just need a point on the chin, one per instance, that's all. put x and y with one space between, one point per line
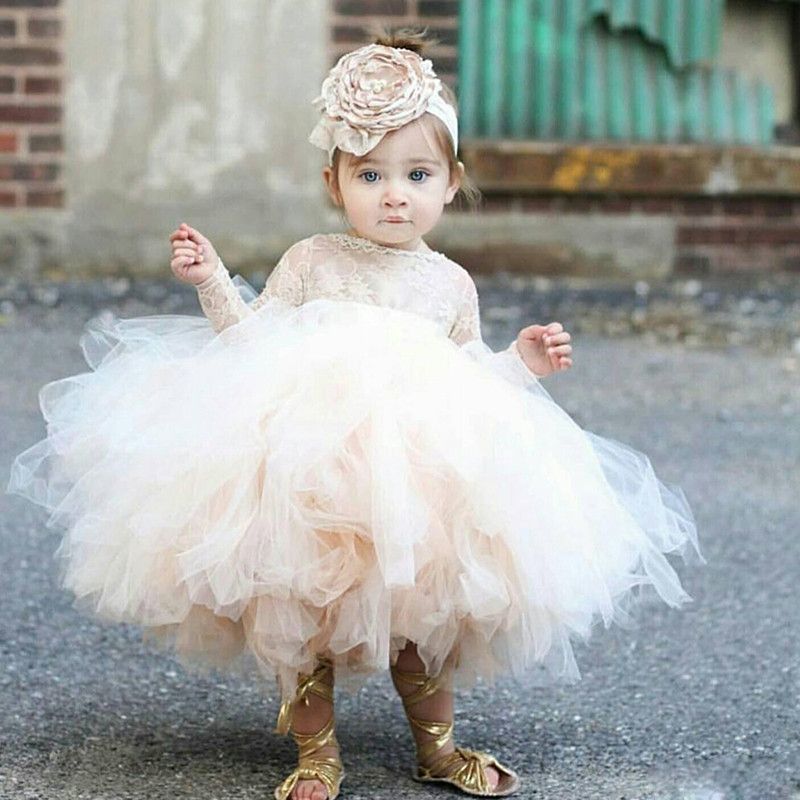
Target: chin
395 233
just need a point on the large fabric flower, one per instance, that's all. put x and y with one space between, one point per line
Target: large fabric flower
371 91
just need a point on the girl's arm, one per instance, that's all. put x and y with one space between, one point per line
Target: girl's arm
224 306
467 329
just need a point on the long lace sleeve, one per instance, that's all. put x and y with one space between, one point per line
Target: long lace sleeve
466 332
224 306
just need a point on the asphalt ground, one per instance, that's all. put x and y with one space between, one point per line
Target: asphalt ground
700 703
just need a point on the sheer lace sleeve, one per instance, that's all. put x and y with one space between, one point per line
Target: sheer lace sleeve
466 331
224 306
467 325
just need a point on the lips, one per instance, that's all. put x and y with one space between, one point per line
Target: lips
395 219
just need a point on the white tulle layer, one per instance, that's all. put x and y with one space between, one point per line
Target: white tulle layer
341 478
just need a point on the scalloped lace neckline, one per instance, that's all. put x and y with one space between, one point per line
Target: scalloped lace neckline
368 246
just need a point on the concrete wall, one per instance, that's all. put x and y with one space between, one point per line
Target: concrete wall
756 39
191 110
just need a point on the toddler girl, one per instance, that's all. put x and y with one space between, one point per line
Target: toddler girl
338 475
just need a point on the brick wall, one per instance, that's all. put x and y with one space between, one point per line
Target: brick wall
31 104
350 20
736 233
712 235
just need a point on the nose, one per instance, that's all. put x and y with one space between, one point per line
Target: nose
394 196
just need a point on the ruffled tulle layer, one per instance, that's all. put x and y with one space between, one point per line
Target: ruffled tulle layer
341 478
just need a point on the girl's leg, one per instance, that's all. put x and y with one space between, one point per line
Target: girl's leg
310 713
437 706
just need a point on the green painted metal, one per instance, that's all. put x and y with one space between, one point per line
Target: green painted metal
518 74
492 69
591 92
719 99
641 96
688 30
544 40
628 70
468 64
568 110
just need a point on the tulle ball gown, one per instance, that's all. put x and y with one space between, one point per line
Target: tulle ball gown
339 465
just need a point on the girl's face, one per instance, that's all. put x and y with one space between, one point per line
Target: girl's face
397 193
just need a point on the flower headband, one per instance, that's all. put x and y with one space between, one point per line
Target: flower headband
374 90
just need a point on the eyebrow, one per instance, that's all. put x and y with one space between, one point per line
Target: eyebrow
408 161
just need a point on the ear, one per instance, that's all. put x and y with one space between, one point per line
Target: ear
454 184
327 176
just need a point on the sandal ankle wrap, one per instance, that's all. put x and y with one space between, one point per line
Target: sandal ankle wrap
462 768
326 769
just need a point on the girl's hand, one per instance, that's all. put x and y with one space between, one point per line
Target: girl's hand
545 348
194 258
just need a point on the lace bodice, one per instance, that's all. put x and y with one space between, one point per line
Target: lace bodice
340 266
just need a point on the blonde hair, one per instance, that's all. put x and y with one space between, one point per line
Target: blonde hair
415 40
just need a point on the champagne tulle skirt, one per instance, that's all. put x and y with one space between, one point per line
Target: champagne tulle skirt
341 478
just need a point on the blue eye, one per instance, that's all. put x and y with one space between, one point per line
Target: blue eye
371 172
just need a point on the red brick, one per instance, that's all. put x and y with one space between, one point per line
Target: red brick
44 28
349 33
30 3
446 37
438 8
744 260
382 7
543 205
8 27
614 205
577 204
8 142
780 207
498 202
7 84
706 235
27 56
696 206
775 235
444 64
29 172
741 206
8 199
36 85
46 143
33 114
656 205
52 198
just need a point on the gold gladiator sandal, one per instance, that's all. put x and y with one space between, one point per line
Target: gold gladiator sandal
326 769
462 768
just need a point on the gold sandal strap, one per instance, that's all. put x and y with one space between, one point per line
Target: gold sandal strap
465 768
310 743
442 731
426 684
326 770
469 772
305 684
